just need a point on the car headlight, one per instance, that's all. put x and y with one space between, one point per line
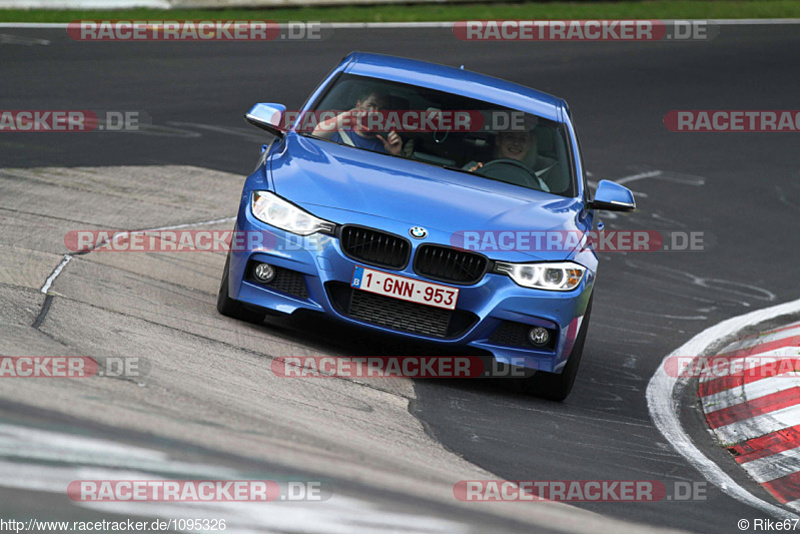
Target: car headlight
273 210
563 276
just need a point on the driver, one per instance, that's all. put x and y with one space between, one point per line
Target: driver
517 145
510 145
339 130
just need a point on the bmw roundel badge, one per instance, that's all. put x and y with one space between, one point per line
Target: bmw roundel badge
418 232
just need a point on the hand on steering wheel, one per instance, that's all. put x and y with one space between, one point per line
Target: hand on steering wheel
534 182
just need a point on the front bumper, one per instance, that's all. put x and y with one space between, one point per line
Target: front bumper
493 314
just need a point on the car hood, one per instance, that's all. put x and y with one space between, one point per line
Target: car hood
319 174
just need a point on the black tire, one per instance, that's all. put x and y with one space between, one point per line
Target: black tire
557 387
231 307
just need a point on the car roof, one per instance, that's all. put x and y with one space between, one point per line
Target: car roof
453 80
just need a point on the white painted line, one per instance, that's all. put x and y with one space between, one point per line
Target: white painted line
32 445
774 466
50 279
664 394
394 25
35 25
86 4
759 425
333 516
415 25
332 25
387 25
640 176
89 458
794 505
67 257
743 22
751 391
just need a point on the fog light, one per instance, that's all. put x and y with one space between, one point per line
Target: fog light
538 336
264 273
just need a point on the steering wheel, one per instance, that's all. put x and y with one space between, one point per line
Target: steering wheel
506 169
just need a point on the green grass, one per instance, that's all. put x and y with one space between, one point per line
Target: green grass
654 9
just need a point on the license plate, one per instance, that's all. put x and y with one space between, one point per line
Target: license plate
403 288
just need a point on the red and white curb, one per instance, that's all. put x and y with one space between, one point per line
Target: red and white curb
666 395
753 407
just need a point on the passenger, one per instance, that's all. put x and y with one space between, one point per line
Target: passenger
339 129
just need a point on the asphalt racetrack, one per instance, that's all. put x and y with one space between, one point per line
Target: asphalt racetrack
203 402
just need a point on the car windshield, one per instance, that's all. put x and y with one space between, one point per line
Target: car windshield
443 129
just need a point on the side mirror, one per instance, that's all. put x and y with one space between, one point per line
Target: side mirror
268 117
611 196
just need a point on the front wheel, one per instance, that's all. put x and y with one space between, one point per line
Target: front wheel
231 307
554 386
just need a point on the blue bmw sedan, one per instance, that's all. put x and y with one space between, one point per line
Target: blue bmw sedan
429 202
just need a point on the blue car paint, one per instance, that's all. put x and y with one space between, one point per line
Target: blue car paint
350 186
613 193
